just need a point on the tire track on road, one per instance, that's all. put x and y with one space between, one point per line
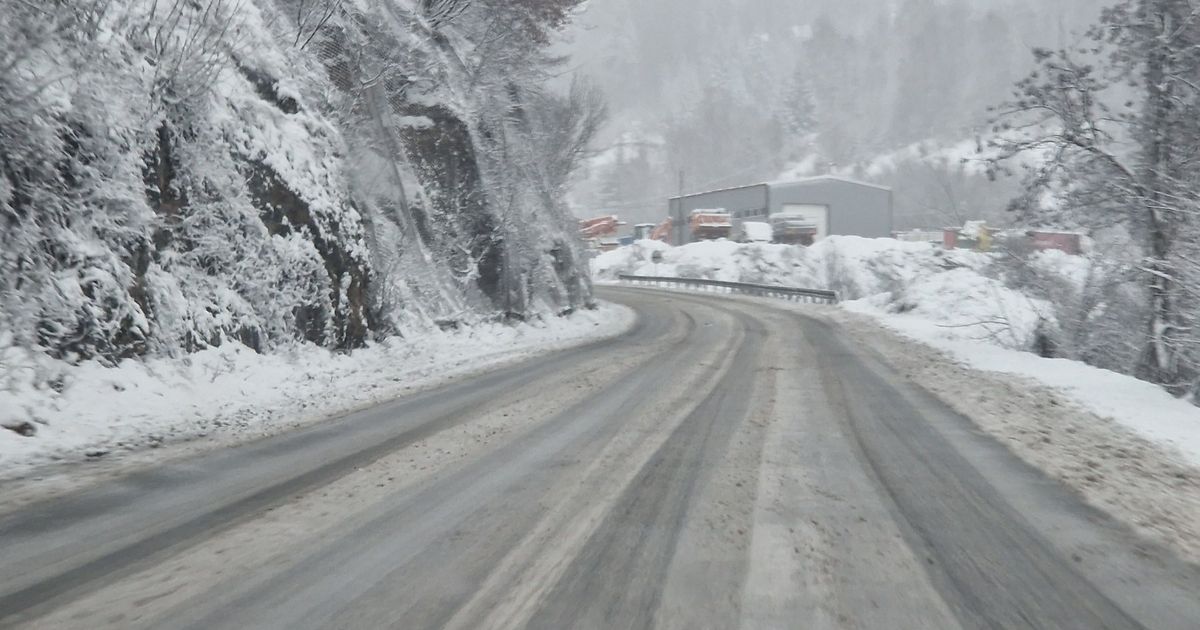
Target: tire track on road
990 566
616 580
74 543
450 532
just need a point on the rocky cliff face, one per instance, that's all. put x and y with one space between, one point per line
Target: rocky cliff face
178 174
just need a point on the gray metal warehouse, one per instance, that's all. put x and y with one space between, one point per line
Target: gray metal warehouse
835 205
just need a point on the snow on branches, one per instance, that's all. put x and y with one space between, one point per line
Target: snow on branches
1115 128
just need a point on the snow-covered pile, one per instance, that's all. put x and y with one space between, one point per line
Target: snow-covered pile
857 266
950 288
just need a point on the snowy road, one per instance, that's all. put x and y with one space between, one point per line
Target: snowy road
723 465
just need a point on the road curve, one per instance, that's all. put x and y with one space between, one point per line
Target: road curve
724 464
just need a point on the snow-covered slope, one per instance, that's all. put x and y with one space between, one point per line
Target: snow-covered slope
177 177
172 188
194 173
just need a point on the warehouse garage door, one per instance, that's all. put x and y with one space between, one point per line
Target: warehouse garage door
817 215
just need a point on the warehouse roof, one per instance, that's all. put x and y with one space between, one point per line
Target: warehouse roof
794 182
709 192
822 178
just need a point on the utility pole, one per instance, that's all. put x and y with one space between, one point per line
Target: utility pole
680 182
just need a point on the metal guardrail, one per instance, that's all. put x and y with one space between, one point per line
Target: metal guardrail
794 294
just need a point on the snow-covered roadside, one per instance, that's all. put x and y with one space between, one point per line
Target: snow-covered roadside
1127 447
231 394
1141 407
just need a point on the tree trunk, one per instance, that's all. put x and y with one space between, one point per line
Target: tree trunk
1159 361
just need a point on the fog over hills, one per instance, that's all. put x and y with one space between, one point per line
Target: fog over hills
713 93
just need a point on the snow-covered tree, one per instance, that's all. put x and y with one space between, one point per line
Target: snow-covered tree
1116 123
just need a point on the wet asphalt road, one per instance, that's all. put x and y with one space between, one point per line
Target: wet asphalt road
724 464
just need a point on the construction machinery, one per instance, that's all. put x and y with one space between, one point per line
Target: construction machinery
599 227
710 225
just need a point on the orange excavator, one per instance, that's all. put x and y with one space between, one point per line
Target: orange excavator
598 227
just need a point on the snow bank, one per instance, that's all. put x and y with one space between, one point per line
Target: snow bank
887 275
1125 472
856 266
1145 408
961 303
233 392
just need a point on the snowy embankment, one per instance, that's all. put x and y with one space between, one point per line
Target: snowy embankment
953 300
231 394
1145 408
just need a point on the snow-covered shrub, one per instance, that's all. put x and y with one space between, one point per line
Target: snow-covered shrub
1093 299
